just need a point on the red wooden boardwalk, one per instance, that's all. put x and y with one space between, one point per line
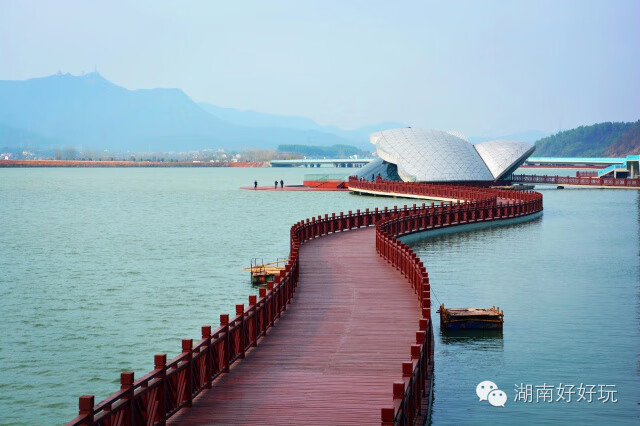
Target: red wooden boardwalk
343 352
334 354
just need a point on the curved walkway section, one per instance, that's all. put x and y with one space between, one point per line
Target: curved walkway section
335 354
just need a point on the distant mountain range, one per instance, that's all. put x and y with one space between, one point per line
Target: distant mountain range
89 112
261 119
598 140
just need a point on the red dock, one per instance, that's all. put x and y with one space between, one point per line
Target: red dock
293 188
335 354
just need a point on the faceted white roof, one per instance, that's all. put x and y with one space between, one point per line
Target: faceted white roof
502 155
437 156
430 155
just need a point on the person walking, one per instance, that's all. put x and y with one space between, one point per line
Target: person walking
255 184
281 184
276 182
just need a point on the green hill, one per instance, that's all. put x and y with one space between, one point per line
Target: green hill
597 140
627 143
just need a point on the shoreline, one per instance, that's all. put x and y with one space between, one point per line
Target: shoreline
83 163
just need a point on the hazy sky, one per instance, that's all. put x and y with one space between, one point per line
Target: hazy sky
484 68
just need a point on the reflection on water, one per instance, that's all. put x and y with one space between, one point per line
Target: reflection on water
486 338
460 239
473 341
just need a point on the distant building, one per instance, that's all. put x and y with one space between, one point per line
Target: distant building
415 155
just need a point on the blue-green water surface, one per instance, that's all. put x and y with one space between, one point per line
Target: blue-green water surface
102 268
568 283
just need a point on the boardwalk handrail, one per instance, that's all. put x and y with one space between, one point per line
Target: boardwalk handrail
469 192
160 394
582 180
170 386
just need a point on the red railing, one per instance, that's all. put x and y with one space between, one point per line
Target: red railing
587 173
451 192
586 181
172 385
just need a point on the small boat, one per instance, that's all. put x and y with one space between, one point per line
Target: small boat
471 318
263 273
523 187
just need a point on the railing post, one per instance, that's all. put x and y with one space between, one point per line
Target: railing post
242 335
206 334
252 303
416 352
160 363
426 297
264 310
271 310
85 407
187 349
387 416
398 390
126 384
224 322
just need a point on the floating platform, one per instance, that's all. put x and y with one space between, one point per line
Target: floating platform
471 318
516 187
263 273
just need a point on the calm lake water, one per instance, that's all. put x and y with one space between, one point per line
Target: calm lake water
100 269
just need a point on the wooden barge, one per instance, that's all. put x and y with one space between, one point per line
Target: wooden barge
471 318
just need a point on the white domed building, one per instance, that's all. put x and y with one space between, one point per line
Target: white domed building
416 155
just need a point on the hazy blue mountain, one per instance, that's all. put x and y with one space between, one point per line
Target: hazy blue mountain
90 112
359 136
18 138
259 119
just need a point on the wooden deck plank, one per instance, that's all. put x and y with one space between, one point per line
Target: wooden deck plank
336 352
